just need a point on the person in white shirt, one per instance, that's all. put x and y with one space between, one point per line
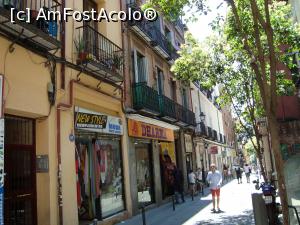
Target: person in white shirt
192 182
214 178
247 170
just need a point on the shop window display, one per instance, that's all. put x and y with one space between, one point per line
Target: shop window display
167 166
99 178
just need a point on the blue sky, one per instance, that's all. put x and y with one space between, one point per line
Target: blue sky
201 29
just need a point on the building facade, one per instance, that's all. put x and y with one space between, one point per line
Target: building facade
160 120
210 140
65 155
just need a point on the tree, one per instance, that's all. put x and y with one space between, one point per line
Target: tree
262 32
213 63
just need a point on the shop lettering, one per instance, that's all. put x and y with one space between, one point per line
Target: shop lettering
153 132
83 118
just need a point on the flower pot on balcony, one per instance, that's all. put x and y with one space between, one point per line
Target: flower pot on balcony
82 57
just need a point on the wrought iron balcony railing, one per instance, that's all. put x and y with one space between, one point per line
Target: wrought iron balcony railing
201 129
179 24
99 55
220 138
147 30
215 135
145 98
168 108
148 100
31 30
190 117
209 132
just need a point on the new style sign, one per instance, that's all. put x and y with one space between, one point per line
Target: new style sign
97 122
149 131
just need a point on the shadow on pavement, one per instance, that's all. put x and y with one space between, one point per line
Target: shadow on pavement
245 218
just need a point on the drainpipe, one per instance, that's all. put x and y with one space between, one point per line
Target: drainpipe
63 48
58 141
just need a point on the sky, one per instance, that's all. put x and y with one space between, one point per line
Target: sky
200 29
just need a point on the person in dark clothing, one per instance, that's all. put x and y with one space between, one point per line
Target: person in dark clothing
239 174
178 185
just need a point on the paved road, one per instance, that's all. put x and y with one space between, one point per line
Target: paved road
235 203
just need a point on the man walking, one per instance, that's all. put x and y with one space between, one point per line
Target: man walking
214 178
247 170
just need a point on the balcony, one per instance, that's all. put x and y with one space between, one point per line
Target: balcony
173 54
143 28
209 133
40 34
201 129
145 99
221 138
98 55
150 33
215 135
168 108
179 25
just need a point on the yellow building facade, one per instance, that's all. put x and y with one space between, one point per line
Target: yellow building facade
64 120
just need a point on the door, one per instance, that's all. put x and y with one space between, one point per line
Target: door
144 174
90 33
19 166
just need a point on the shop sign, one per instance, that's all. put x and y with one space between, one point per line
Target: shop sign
1 170
213 150
97 122
168 148
188 143
145 130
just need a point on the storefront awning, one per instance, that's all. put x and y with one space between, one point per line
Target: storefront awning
152 121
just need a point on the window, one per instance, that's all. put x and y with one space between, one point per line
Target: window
160 81
185 101
140 67
173 90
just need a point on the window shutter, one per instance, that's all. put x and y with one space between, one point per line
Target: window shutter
146 70
135 65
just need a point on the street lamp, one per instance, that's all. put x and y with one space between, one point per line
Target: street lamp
202 117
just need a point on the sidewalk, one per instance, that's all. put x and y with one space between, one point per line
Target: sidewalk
236 205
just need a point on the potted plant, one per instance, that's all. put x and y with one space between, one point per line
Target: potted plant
81 54
117 62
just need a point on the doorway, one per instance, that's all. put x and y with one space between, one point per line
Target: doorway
144 174
20 179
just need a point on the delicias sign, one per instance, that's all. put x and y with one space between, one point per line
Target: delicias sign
145 130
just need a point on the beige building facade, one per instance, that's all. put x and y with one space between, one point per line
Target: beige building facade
65 129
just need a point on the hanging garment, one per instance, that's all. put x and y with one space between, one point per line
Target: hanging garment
77 160
97 167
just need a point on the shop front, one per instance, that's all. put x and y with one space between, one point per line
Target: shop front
98 158
154 158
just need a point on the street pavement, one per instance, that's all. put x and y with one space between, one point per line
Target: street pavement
235 203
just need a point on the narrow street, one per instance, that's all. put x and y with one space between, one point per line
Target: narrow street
235 203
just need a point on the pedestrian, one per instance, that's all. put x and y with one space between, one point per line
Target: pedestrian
247 170
192 182
214 179
238 172
199 180
225 172
178 185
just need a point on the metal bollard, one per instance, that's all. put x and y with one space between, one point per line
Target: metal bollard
192 195
143 215
95 222
173 202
